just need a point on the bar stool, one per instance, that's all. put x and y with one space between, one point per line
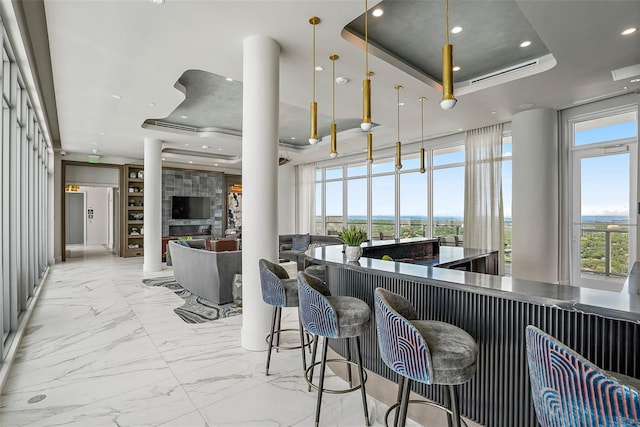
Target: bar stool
426 351
568 390
279 291
330 316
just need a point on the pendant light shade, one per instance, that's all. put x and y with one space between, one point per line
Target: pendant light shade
369 147
423 169
448 99
334 142
313 136
366 124
398 142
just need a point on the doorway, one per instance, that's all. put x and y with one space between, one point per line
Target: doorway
604 226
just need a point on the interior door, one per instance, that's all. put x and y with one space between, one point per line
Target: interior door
74 213
604 218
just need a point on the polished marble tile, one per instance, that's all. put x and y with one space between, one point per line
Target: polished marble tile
106 350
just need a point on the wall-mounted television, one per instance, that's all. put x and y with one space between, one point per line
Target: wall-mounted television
190 207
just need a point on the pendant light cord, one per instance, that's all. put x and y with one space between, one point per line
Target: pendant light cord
398 108
446 29
314 63
422 119
366 38
333 90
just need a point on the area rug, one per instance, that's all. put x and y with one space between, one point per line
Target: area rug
195 309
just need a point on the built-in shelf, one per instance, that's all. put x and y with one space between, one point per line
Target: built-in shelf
132 211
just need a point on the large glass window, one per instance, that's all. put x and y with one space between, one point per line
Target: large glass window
23 200
357 196
413 199
333 211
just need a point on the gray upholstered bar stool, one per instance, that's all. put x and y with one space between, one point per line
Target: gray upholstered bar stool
330 316
426 351
280 291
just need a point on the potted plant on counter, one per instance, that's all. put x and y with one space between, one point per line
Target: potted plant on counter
353 237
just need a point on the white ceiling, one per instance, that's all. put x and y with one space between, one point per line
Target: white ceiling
138 50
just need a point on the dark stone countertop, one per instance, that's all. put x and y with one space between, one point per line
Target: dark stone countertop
617 305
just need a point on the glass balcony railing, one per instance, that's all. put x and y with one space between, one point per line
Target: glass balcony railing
604 249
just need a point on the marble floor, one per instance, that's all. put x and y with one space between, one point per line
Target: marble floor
102 349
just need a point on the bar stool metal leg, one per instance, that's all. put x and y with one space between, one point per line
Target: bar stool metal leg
361 373
404 403
313 358
278 328
321 380
302 346
455 409
349 376
273 328
399 400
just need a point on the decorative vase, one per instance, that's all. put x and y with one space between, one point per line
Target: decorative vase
353 253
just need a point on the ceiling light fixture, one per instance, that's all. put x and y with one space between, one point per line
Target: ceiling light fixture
319 68
634 81
369 147
116 96
157 1
377 12
313 138
229 79
628 31
456 68
422 168
448 100
366 124
398 142
206 147
334 143
525 43
456 30
183 117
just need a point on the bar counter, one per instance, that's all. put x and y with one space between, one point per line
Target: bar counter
603 326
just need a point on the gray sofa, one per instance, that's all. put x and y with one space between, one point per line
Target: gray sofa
205 273
289 250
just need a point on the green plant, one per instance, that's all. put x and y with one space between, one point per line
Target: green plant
386 258
352 236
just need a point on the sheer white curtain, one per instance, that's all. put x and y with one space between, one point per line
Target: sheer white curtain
483 209
306 198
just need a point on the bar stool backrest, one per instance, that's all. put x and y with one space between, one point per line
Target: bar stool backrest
316 313
568 390
402 347
271 276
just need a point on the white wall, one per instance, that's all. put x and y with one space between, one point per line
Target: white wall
98 226
286 199
535 199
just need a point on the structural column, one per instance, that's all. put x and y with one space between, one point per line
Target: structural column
152 205
259 181
535 212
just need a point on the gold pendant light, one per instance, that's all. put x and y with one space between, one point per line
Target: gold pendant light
334 142
366 124
369 147
398 143
422 167
313 138
448 100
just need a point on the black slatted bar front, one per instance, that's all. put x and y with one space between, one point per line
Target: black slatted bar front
499 395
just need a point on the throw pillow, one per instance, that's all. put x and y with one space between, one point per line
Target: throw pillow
300 242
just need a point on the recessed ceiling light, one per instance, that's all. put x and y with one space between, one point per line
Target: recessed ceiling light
157 1
229 79
456 68
342 80
401 103
94 151
628 31
190 161
459 129
183 117
116 96
219 149
293 138
377 12
186 145
206 147
152 104
215 164
456 30
634 81
101 133
163 159
493 112
319 68
525 43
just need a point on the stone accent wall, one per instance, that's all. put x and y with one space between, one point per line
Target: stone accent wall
193 183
